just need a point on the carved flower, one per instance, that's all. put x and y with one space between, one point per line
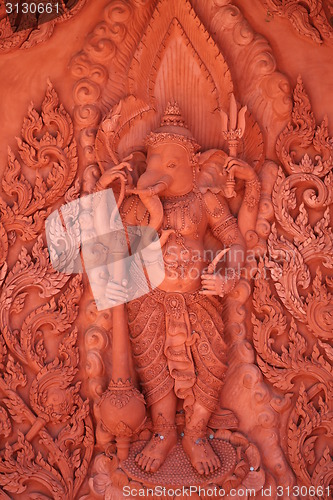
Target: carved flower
52 395
307 164
174 304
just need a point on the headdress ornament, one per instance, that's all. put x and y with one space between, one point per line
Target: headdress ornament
173 129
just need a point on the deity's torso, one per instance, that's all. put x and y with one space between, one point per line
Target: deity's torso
183 254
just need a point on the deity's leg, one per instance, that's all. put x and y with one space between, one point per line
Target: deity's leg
195 442
164 438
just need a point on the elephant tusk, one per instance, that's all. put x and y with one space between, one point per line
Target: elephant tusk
217 258
150 191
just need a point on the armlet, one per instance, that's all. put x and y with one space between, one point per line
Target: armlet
226 231
252 193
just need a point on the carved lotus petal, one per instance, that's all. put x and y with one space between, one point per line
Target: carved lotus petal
119 479
100 483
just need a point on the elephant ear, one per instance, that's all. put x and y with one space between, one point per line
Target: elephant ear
211 175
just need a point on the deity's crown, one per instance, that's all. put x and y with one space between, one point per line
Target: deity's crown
173 129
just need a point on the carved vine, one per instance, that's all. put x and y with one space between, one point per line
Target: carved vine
293 326
48 147
44 420
14 35
311 18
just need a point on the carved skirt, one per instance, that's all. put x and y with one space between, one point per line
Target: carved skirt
177 343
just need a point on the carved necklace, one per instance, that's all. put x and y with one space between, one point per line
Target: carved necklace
134 201
218 211
182 205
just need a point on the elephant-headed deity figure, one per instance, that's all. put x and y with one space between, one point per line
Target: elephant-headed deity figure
176 330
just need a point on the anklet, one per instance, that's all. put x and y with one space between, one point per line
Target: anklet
163 431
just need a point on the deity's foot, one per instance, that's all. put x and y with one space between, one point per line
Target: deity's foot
153 455
201 454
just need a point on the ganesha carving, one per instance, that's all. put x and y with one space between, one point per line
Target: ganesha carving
206 358
177 330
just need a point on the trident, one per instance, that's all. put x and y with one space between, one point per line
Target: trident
233 128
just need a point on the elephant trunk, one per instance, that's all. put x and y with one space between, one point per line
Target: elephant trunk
154 206
149 195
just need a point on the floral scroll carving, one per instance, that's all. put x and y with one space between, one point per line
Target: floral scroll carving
45 422
47 145
311 18
271 414
293 314
19 37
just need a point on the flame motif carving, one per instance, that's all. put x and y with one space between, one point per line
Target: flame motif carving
293 324
45 422
311 18
275 412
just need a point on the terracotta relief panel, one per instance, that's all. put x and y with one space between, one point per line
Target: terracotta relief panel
313 19
166 262
26 24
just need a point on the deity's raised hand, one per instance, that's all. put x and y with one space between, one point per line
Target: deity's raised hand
119 171
240 169
215 284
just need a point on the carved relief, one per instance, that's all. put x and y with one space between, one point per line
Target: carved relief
156 317
15 35
46 423
121 136
311 18
177 379
299 364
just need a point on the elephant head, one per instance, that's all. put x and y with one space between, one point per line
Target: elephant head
169 173
169 167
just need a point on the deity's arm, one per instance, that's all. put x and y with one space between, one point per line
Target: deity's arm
224 227
115 211
248 212
119 179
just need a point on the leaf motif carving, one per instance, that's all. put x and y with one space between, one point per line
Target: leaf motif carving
301 133
21 463
303 421
308 17
292 324
5 425
38 341
48 147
